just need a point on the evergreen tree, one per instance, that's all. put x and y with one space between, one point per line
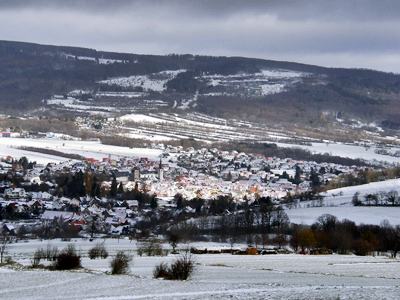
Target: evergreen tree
114 188
153 202
179 201
88 181
297 179
23 161
314 178
120 188
285 175
356 200
78 181
95 191
229 177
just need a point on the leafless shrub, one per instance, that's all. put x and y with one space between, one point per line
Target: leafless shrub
151 247
180 269
98 251
68 259
120 263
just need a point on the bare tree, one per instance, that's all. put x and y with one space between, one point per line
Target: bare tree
5 239
392 197
173 239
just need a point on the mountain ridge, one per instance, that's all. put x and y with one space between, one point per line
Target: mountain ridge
31 72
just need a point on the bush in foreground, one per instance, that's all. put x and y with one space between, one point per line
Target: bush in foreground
151 247
98 251
120 263
37 257
181 269
49 254
161 271
68 259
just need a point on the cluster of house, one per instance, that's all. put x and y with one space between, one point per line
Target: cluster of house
9 133
208 173
204 173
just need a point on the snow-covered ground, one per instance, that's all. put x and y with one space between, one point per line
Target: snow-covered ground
88 149
167 126
153 82
282 74
357 214
6 150
147 136
219 276
338 202
142 118
264 83
78 105
343 196
345 150
269 89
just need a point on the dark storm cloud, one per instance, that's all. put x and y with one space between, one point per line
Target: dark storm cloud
291 9
360 33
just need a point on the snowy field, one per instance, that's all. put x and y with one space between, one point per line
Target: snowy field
266 82
167 126
153 82
357 214
218 276
338 202
88 149
343 196
345 150
40 158
142 118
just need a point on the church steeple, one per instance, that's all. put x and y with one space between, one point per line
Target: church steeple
160 171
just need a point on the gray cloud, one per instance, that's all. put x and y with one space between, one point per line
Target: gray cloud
348 33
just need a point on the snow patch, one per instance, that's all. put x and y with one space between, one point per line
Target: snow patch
153 82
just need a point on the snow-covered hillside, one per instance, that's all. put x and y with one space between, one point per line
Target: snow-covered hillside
141 118
357 214
338 202
343 196
152 82
264 83
88 149
345 150
154 126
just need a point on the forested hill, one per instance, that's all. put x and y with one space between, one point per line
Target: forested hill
223 86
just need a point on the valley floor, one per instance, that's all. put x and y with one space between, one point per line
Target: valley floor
217 276
338 202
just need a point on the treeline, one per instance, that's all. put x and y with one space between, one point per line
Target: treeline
267 149
345 237
62 124
53 152
382 198
229 220
185 82
262 223
271 150
363 177
121 141
130 142
82 184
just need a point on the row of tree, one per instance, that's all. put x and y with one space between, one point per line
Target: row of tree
346 237
390 198
363 177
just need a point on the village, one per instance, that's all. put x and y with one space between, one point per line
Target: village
116 196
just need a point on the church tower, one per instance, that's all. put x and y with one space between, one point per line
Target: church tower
160 171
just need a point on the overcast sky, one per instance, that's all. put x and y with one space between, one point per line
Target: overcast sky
345 33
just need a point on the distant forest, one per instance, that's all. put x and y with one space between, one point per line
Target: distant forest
31 72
